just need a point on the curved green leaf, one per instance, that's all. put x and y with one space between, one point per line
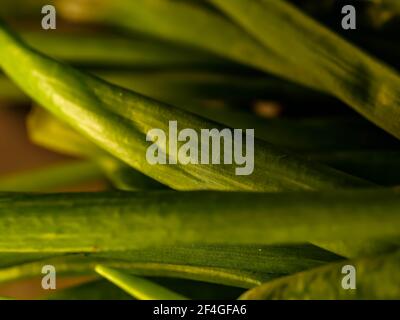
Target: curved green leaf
241 266
139 288
322 60
327 61
375 278
118 121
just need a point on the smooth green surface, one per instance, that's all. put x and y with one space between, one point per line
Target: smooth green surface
122 221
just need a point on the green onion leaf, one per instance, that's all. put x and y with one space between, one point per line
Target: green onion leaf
139 288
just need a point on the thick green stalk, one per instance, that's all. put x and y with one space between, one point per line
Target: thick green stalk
122 221
118 121
327 61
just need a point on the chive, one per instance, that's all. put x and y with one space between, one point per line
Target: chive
376 278
194 235
327 61
241 266
98 110
139 288
90 222
322 60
